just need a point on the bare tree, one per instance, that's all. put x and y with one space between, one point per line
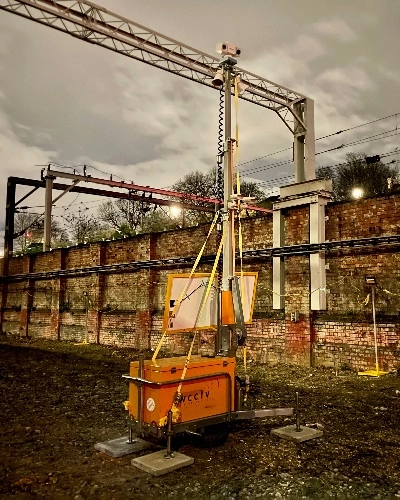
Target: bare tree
29 228
204 185
84 227
124 214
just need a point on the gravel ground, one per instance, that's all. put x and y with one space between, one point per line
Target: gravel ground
59 399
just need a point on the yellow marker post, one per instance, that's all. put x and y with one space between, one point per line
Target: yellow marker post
376 372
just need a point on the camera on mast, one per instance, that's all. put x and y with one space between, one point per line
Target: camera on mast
228 49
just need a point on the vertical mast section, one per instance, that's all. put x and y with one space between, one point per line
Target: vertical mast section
228 270
226 340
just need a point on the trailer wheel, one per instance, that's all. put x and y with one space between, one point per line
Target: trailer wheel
178 440
214 435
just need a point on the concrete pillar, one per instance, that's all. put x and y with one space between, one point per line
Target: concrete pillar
27 297
317 260
278 265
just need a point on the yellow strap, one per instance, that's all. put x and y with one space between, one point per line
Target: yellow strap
390 293
209 286
240 244
245 359
240 235
236 111
183 292
174 407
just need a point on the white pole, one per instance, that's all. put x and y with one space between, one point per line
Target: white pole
228 258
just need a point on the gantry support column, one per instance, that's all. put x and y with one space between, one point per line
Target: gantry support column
304 141
316 194
8 244
48 203
9 222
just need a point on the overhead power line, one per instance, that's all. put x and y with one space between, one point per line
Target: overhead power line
363 140
375 137
265 156
358 126
324 137
267 167
275 182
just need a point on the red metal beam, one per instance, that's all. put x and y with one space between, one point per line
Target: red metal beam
109 194
137 187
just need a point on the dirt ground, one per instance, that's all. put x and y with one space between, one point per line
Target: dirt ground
59 399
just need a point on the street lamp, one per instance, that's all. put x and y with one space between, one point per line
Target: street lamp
357 193
175 211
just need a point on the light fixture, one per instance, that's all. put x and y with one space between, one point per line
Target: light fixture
175 211
218 79
357 193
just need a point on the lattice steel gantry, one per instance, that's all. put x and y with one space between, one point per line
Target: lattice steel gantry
94 24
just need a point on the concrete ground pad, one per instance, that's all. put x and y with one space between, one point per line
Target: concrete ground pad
119 447
157 465
290 433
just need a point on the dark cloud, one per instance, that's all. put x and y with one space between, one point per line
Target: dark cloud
67 101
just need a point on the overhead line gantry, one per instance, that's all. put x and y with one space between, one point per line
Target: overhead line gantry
89 22
94 24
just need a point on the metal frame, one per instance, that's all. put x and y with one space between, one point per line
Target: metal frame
11 204
49 175
94 24
316 194
317 259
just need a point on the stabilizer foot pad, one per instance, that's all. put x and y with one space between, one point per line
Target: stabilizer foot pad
157 465
290 434
119 447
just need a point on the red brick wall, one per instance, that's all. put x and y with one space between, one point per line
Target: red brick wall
352 344
127 308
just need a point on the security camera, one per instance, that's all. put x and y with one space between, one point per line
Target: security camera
228 49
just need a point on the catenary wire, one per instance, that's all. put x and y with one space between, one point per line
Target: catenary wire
325 137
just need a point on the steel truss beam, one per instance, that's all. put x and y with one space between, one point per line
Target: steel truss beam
94 24
145 189
287 251
103 192
12 205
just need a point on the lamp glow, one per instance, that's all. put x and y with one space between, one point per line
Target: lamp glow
175 211
357 193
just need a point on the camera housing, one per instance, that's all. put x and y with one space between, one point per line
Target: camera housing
228 49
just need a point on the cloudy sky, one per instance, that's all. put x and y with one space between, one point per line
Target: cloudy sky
66 101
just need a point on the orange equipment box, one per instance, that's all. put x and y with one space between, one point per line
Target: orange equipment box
204 397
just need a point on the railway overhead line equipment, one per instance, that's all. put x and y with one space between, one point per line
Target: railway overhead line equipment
194 393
